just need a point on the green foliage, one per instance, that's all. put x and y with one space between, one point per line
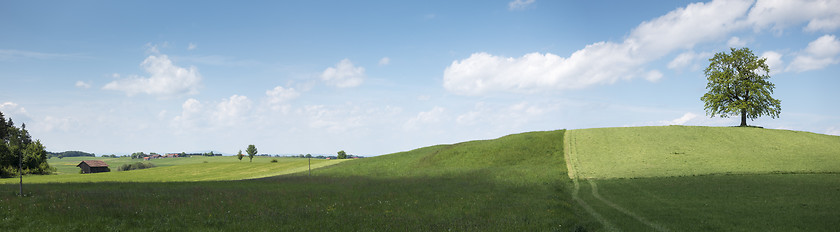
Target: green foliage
70 154
18 153
240 155
252 150
342 154
739 85
274 160
135 166
632 152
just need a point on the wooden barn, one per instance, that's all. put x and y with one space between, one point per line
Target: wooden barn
93 166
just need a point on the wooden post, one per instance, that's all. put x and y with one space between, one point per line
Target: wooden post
20 172
310 166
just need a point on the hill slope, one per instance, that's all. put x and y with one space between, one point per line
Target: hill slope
690 150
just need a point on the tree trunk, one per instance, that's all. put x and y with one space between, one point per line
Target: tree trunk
743 117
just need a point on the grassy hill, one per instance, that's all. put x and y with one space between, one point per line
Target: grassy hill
689 150
678 178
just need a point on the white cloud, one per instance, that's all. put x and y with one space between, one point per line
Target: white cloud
192 46
165 79
820 53
821 15
191 114
231 111
279 97
344 75
735 42
597 63
82 84
14 111
681 120
385 61
774 61
510 116
833 131
434 115
520 4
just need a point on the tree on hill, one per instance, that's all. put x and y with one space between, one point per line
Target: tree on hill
252 150
342 154
240 155
739 84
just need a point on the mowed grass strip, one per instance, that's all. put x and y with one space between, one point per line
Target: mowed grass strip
181 169
691 150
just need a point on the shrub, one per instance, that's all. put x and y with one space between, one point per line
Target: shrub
135 166
274 160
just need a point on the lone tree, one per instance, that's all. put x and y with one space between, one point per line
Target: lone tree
252 150
342 154
240 155
739 84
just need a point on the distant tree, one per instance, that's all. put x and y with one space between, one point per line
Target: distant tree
240 155
739 84
342 154
184 154
308 155
252 150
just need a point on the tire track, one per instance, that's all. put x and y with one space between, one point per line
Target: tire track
572 165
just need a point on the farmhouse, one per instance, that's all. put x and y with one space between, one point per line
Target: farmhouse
93 166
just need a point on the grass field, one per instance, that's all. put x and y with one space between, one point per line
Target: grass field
706 179
671 178
514 183
689 150
177 169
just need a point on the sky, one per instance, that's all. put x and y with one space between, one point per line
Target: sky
377 77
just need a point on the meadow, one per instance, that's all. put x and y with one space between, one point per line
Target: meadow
198 168
671 178
514 183
678 178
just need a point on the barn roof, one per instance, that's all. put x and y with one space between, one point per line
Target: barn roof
94 163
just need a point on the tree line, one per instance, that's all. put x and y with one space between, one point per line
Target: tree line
16 143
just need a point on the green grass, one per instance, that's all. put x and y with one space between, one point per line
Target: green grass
686 151
514 183
765 202
176 169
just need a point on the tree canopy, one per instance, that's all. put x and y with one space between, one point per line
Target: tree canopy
739 85
16 143
342 154
252 150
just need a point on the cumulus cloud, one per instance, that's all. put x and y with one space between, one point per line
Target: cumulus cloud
520 4
385 61
15 111
601 62
681 120
82 84
774 61
279 97
165 79
230 111
434 115
735 42
344 75
821 15
688 59
820 53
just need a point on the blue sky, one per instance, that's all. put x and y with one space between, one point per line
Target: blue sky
376 77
